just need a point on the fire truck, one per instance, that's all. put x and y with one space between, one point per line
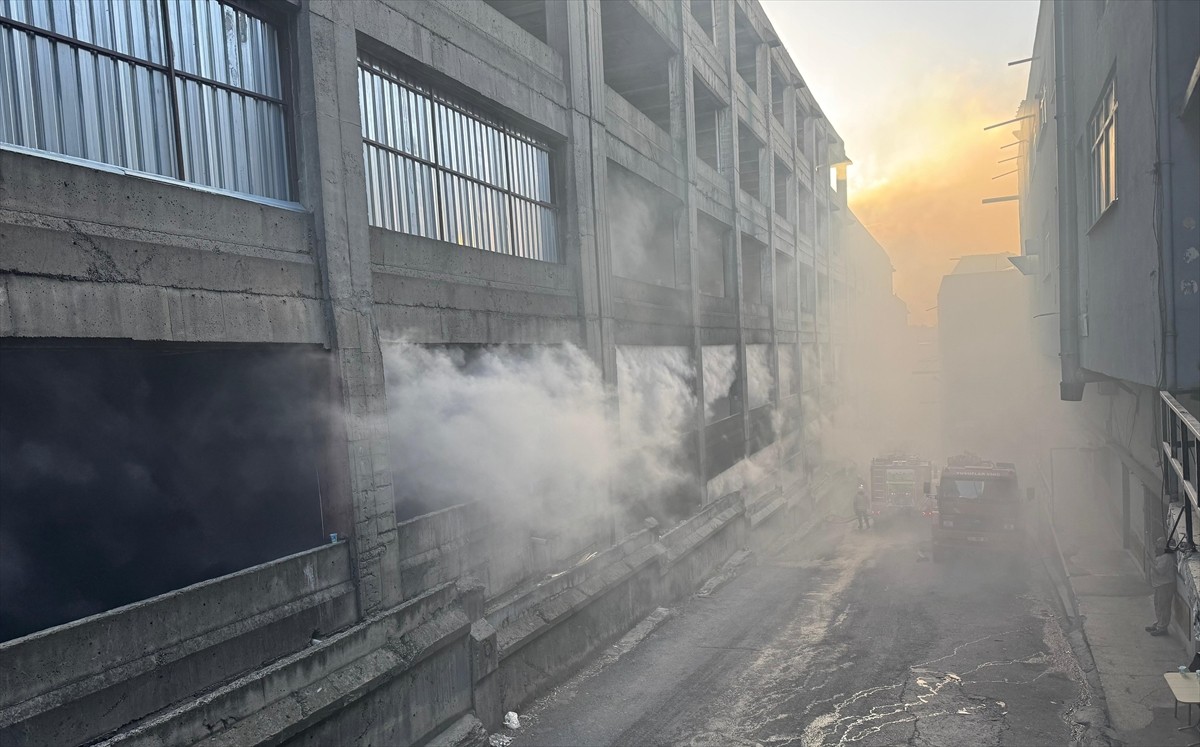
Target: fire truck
899 484
978 507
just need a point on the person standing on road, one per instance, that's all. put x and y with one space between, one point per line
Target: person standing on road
1162 578
862 508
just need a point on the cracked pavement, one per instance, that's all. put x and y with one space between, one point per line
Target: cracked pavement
843 637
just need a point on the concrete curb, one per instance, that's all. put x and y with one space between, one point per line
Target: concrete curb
1097 727
728 572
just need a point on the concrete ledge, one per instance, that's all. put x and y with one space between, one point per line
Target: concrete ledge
176 211
75 682
309 695
32 306
766 508
554 636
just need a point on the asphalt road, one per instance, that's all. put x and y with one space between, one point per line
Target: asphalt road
843 637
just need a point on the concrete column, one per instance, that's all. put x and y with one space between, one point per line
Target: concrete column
590 107
730 49
1125 507
330 142
690 232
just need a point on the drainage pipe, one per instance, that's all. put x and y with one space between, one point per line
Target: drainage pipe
1071 385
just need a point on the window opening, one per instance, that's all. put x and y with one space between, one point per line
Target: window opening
783 177
438 168
636 61
190 89
749 160
712 241
702 11
528 14
707 109
746 44
1103 130
753 270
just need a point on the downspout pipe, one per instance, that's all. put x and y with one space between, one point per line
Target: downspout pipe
1166 237
1070 387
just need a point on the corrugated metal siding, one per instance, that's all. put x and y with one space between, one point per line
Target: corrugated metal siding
435 168
108 98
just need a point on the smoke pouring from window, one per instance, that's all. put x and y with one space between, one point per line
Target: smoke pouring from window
528 432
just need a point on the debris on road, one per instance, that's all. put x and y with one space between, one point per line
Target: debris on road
499 740
512 720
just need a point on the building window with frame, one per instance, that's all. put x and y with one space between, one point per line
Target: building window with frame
439 168
1103 132
195 90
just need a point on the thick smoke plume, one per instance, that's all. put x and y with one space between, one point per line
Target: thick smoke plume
528 432
720 370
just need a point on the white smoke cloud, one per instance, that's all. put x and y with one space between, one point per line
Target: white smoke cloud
527 432
749 475
760 380
720 369
657 404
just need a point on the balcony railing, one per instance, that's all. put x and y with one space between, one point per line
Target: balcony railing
1180 434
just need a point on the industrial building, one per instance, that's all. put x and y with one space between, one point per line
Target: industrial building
216 219
1109 139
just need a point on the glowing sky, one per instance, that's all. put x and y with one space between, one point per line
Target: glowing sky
910 85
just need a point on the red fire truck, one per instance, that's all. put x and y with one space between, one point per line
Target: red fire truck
899 484
978 507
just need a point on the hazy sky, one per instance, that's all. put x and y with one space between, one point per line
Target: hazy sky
910 85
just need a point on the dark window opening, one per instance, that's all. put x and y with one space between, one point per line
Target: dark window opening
802 129
712 244
749 156
134 469
641 228
783 178
804 210
636 61
789 369
785 282
778 86
806 289
528 14
753 270
722 385
746 44
708 110
702 11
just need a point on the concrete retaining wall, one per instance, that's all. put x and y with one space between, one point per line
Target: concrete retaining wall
75 682
559 628
274 655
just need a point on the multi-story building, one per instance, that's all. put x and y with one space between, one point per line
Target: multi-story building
218 216
1109 201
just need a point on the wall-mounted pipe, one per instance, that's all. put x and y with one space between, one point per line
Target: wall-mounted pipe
1070 387
1166 232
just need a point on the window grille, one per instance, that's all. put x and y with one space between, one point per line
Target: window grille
190 89
439 169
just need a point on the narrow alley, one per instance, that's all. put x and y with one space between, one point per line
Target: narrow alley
845 637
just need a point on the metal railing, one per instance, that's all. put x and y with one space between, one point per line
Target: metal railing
1180 435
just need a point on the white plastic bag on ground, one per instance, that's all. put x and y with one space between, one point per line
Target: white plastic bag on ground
512 720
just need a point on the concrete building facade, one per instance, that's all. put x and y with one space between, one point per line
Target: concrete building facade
341 177
1109 201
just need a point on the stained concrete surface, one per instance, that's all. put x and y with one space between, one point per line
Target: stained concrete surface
843 637
1115 603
